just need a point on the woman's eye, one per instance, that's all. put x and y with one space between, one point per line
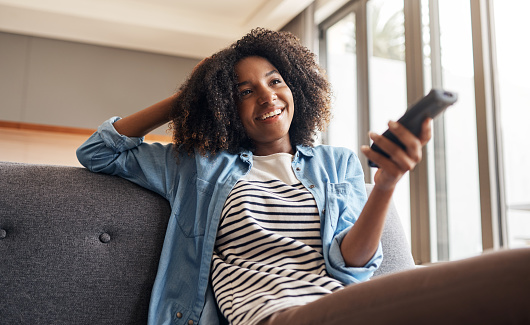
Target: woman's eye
276 81
245 92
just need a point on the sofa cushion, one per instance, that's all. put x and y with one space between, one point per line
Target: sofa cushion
78 247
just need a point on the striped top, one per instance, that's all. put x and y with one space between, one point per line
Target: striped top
268 252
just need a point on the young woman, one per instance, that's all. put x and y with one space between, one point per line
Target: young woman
262 221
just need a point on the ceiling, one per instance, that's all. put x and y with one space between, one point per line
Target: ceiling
190 28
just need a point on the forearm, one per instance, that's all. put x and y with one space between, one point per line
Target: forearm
146 120
362 241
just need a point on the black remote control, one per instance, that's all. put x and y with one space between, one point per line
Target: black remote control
435 102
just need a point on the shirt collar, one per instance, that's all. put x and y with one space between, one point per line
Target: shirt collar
246 155
305 150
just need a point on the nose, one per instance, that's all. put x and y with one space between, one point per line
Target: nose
267 96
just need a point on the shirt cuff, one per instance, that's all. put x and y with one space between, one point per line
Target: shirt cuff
115 140
347 274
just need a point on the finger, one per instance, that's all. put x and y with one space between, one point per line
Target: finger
412 143
388 173
426 131
381 161
397 155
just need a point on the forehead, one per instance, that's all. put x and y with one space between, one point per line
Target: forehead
253 66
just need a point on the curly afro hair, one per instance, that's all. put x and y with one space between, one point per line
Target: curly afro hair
204 116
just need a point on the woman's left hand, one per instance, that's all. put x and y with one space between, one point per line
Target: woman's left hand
400 161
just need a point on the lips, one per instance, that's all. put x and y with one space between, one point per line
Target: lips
270 114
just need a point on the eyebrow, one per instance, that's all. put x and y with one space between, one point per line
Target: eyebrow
266 75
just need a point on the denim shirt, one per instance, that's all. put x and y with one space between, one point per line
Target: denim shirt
197 187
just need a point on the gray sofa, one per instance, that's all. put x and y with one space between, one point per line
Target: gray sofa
83 248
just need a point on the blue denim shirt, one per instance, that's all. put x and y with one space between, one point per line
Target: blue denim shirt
197 188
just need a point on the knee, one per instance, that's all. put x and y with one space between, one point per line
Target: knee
511 263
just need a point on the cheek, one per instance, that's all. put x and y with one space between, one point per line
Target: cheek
288 99
288 96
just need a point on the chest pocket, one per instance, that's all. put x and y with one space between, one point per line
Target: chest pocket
194 201
337 197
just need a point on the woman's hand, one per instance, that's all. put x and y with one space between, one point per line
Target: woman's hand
150 118
400 161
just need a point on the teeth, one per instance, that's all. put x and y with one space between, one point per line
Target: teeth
270 114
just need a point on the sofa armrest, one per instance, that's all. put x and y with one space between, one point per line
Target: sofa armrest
397 255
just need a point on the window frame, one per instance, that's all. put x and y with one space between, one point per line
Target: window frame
357 7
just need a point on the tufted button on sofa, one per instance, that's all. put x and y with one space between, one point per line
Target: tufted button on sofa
83 248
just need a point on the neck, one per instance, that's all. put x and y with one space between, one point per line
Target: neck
265 150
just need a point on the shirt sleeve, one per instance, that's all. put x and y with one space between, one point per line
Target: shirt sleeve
353 204
110 152
348 274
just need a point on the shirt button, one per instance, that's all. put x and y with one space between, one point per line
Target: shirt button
298 169
311 186
179 315
190 322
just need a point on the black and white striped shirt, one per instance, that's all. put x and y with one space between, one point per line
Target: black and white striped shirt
268 252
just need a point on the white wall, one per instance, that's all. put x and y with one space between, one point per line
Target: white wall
70 84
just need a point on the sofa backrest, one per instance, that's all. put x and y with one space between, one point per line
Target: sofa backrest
83 248
78 248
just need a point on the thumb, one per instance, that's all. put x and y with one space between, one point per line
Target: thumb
426 131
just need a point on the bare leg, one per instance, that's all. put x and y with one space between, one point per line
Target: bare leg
490 289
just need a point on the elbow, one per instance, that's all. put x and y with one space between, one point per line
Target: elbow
87 154
83 157
96 159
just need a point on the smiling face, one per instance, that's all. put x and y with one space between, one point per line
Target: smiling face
266 105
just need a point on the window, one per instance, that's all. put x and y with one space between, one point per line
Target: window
387 80
477 179
511 18
463 222
341 66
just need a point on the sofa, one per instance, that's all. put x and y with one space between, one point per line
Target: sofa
82 248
